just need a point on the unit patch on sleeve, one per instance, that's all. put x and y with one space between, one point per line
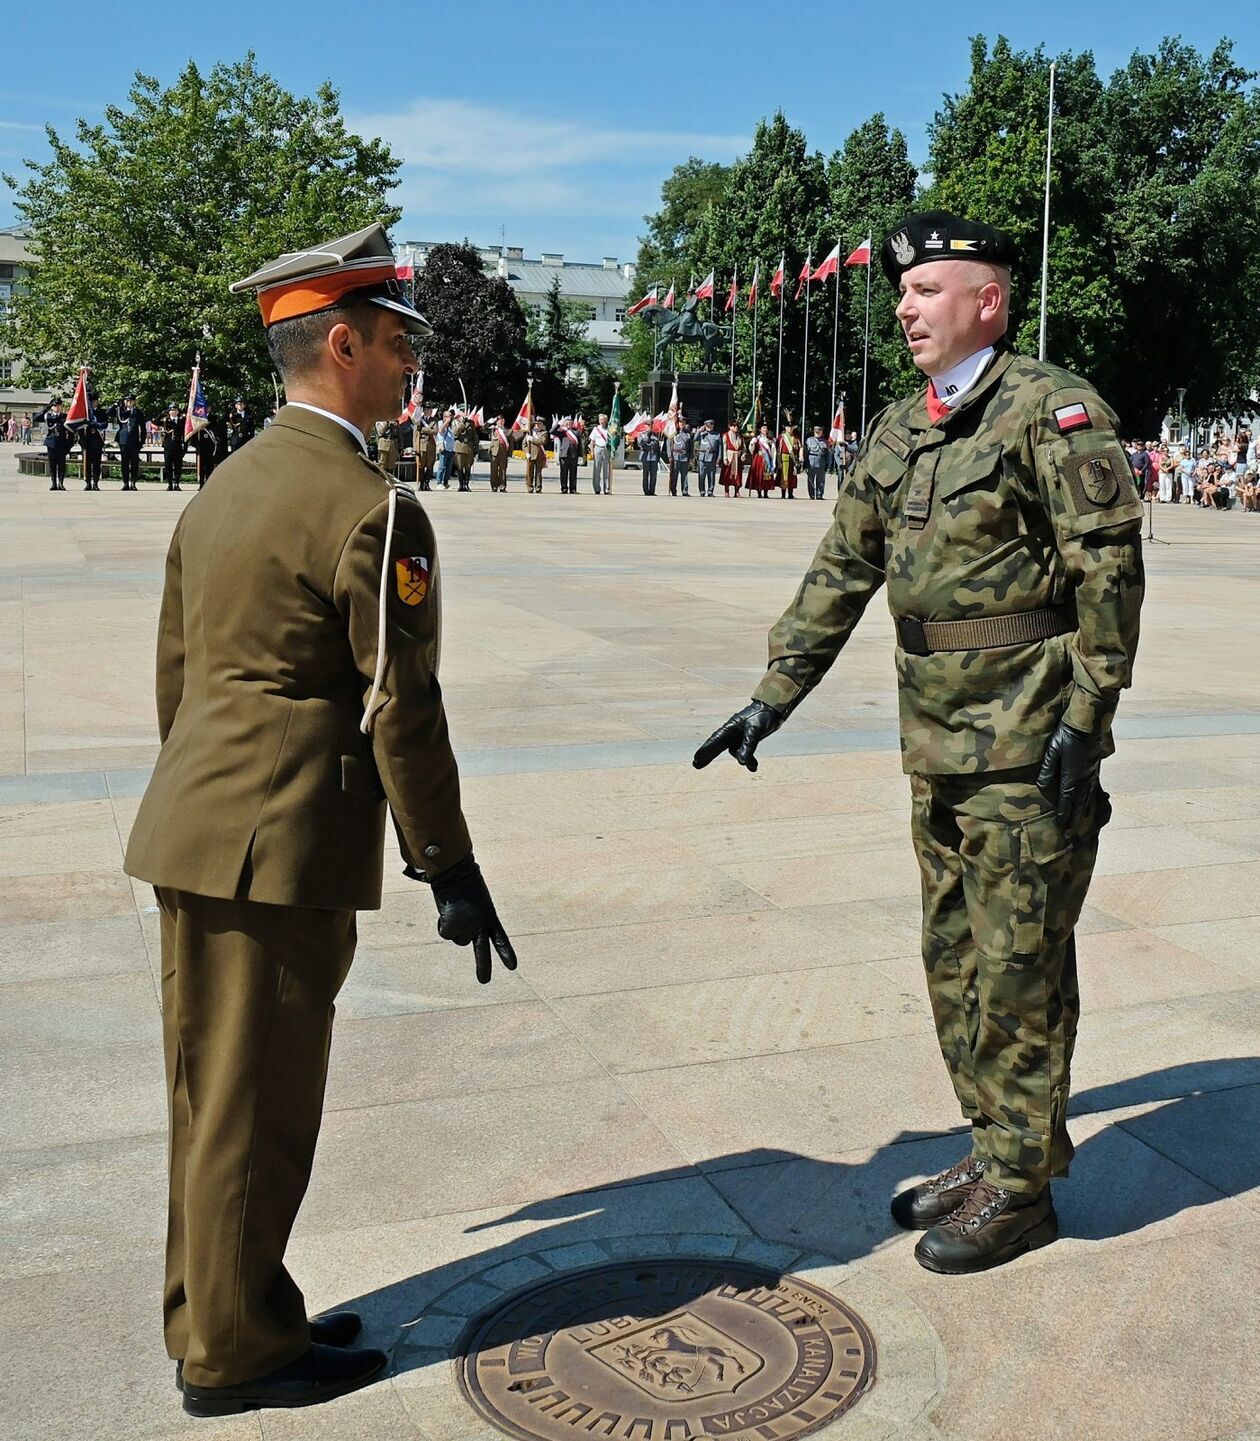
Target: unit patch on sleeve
1099 482
1072 417
411 577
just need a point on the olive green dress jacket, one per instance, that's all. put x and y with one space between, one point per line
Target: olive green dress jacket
265 787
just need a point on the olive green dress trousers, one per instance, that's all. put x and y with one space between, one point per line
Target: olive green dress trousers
247 1013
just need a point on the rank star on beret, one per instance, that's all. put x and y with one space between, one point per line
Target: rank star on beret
939 235
353 267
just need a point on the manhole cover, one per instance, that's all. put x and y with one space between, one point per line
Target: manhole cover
663 1351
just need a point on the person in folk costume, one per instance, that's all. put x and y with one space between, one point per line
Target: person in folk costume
732 458
789 462
761 472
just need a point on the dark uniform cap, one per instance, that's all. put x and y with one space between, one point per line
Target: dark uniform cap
938 235
304 282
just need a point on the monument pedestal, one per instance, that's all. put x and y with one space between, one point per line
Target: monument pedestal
702 395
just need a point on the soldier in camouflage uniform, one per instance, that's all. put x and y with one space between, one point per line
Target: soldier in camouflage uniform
997 508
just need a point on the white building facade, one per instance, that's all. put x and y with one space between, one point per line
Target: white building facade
16 261
602 288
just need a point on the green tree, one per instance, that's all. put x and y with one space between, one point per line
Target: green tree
872 186
568 372
141 222
479 331
1155 203
666 251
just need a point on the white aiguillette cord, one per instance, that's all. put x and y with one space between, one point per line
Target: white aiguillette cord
365 725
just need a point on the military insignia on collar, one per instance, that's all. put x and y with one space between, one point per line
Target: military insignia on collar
902 249
411 578
1098 480
1072 417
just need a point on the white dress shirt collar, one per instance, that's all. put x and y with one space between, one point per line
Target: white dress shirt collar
340 419
958 379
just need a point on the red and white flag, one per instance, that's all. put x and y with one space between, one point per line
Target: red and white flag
802 280
730 298
837 425
405 267
705 292
862 255
830 266
478 416
525 416
668 302
78 413
776 280
648 299
659 423
639 424
752 293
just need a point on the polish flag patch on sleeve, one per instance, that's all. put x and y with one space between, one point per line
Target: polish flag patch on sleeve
1072 417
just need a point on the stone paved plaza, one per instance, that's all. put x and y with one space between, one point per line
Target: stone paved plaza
718 1040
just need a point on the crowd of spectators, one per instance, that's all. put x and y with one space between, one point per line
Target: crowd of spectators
1225 474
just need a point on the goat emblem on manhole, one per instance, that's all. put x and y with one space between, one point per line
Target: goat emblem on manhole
678 1350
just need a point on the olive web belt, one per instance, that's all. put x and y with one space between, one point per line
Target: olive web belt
985 632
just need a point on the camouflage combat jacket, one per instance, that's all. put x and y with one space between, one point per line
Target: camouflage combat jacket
1020 498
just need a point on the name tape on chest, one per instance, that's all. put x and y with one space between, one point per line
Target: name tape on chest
1072 417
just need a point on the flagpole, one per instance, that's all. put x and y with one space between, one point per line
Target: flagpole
754 369
778 394
805 360
835 344
866 343
734 318
1045 229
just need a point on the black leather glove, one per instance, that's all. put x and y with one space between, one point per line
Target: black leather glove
466 915
1068 776
741 735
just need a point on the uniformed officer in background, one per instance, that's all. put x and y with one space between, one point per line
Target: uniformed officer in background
57 442
387 445
501 444
130 438
817 458
708 457
997 508
464 429
173 446
297 698
649 448
92 445
241 426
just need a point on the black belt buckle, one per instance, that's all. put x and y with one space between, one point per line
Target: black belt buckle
910 634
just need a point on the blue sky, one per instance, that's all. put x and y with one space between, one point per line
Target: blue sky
552 125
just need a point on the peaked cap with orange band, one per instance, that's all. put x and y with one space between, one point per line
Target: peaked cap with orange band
304 282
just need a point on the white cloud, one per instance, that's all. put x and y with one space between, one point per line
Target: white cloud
461 137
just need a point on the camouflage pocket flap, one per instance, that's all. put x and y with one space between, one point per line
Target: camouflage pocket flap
1044 839
974 469
886 468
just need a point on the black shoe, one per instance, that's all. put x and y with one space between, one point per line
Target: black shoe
920 1207
322 1373
991 1227
334 1328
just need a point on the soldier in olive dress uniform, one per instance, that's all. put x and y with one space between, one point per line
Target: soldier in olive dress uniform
298 701
996 507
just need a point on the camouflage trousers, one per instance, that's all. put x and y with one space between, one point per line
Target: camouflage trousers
1003 887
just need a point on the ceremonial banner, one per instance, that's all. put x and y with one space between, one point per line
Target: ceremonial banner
197 414
78 414
837 424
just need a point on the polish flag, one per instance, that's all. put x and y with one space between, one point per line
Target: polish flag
837 425
639 423
648 299
862 255
659 423
730 298
752 294
525 416
668 302
776 280
478 416
405 269
705 291
830 266
802 280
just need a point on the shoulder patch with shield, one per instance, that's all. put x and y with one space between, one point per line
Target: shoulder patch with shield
411 578
1098 480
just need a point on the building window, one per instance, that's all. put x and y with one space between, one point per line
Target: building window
620 313
592 312
6 372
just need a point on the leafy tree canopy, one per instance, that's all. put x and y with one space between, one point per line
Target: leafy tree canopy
141 222
479 331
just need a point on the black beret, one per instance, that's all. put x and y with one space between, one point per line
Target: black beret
938 235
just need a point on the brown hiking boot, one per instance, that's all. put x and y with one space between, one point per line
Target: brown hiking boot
921 1206
991 1227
